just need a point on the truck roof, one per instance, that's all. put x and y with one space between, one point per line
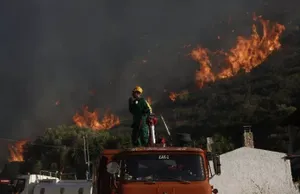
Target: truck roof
154 149
162 149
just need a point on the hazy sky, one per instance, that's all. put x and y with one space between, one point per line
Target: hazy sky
61 49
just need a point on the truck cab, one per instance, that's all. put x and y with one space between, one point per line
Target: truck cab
155 170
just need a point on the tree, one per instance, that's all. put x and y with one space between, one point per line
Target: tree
61 148
37 167
222 144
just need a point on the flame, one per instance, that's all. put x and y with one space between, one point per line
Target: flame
173 96
149 100
16 151
247 54
91 120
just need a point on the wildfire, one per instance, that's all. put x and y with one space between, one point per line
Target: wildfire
173 96
91 120
16 151
245 55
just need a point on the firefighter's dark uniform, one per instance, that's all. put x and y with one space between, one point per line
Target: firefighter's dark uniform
140 109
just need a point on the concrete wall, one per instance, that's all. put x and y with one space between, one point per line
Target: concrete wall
249 170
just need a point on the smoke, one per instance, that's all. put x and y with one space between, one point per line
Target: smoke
60 50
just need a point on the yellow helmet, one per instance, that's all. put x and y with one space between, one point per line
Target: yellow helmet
138 89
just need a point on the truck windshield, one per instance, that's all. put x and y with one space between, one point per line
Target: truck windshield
157 167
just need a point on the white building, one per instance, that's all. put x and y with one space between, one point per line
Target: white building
248 171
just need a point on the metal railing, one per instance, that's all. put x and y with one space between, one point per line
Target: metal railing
49 173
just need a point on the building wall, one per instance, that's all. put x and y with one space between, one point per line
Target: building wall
249 170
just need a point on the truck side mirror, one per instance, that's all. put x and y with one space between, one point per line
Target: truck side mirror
113 168
217 164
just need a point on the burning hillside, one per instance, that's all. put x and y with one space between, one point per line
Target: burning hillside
248 53
91 120
16 151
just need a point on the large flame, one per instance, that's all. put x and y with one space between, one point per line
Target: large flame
16 151
245 55
91 120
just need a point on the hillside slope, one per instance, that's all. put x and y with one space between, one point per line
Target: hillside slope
261 98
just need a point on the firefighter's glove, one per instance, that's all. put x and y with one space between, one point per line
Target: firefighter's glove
133 100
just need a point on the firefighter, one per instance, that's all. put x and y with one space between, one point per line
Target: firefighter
140 110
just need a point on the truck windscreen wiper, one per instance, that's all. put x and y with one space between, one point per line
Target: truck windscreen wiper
149 181
179 179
